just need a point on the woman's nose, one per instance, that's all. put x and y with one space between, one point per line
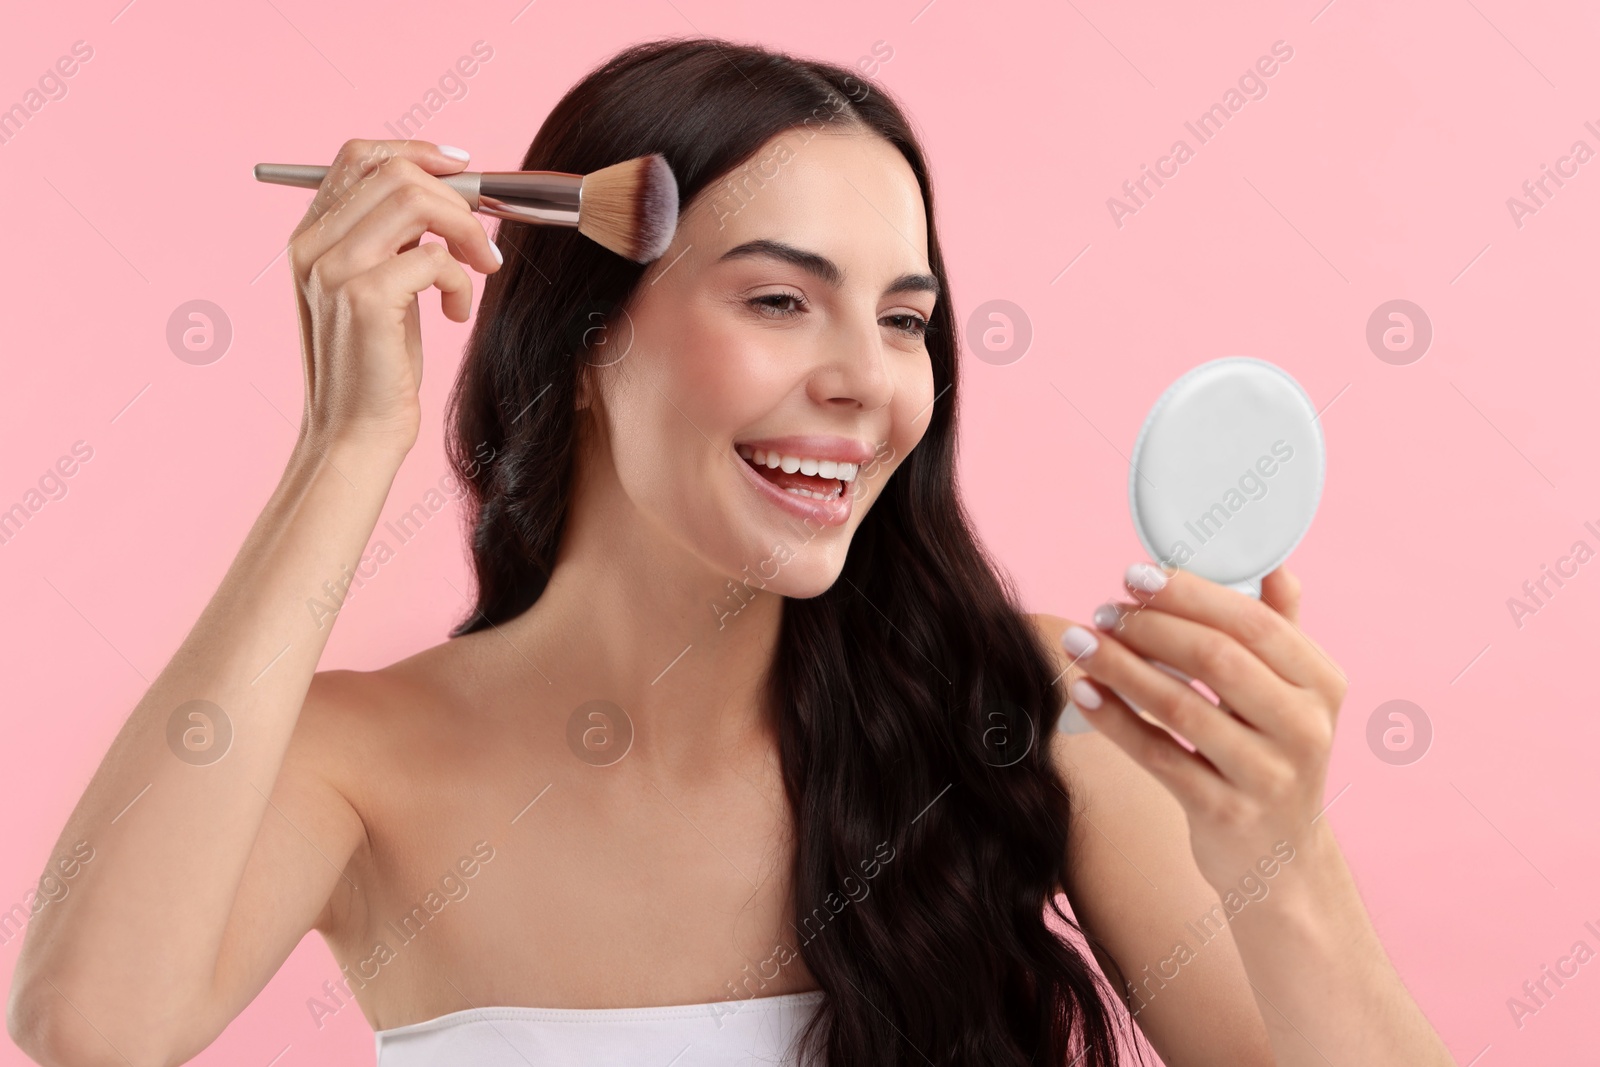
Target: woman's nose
854 368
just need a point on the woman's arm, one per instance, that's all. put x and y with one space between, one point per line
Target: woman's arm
200 885
124 968
1282 912
1134 887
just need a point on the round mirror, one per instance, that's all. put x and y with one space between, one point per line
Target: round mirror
1227 471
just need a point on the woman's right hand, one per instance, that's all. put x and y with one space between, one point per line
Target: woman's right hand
231 855
358 266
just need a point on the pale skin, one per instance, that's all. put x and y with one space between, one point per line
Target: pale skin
660 878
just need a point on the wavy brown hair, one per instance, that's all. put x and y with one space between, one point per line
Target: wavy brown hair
913 697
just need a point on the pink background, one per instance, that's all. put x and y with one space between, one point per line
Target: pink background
1377 167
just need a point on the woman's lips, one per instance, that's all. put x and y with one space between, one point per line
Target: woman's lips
832 512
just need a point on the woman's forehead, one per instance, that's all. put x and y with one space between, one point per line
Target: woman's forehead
850 196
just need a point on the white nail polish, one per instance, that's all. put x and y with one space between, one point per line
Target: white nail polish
1079 642
1083 694
1145 577
455 153
498 258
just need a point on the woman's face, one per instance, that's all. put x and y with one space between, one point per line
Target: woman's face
783 323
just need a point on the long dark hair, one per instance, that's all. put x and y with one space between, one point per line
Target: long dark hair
914 699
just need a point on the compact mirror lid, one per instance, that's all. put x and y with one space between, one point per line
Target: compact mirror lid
1227 471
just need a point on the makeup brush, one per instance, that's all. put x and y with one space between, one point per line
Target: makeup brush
629 207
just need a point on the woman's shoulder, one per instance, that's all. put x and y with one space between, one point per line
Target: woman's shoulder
356 722
349 699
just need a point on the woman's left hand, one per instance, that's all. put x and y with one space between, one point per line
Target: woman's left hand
1256 776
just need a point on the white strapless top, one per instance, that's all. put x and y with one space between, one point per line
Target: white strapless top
722 1034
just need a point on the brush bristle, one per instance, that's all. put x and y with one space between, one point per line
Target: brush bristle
631 207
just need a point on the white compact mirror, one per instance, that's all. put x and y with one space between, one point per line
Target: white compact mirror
1225 478
1227 471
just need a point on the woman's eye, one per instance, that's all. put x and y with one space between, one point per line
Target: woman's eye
910 325
785 305
772 304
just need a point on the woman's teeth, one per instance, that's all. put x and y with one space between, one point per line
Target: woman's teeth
822 468
797 491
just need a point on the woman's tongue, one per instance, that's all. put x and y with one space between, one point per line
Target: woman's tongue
783 480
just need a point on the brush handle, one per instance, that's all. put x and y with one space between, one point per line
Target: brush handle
545 197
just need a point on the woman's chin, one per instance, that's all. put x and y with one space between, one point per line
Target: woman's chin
807 587
787 568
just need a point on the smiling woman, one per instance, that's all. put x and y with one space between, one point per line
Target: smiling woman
877 706
788 394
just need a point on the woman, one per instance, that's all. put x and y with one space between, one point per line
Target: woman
718 739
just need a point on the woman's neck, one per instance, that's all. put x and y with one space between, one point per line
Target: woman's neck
638 621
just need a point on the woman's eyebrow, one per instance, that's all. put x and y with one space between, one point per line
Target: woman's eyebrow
824 268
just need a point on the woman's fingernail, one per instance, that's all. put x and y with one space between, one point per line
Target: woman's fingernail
498 258
455 153
1106 616
1083 694
1145 577
1079 642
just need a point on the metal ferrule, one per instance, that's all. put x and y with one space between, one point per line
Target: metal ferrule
547 197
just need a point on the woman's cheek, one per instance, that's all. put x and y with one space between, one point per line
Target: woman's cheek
913 407
736 378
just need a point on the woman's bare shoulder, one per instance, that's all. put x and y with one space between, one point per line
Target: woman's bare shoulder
344 697
354 719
